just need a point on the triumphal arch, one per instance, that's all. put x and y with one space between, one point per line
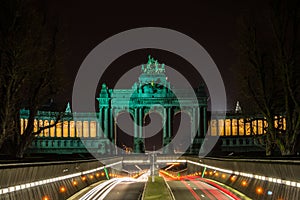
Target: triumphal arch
152 98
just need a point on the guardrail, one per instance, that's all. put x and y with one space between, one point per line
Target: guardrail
52 180
258 179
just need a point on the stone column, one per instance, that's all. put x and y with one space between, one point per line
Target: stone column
204 122
169 122
62 128
257 128
170 149
164 124
198 121
140 122
106 122
69 133
217 125
135 122
89 128
231 127
55 134
111 124
238 126
82 127
137 133
100 126
193 124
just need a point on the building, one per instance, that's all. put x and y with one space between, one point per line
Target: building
151 96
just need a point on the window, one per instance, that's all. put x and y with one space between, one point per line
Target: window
93 129
221 127
79 129
234 127
85 129
213 127
41 125
72 129
59 129
66 129
228 127
52 129
46 131
241 127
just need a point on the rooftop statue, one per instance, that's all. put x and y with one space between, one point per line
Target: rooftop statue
153 67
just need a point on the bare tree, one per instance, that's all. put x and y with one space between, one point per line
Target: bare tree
270 55
28 70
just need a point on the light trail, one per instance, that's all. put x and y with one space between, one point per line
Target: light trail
102 190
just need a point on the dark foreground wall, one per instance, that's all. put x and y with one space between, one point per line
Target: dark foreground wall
272 179
19 174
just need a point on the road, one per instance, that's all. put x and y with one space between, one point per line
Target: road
196 188
126 191
189 187
117 188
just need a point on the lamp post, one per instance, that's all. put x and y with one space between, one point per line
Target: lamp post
153 164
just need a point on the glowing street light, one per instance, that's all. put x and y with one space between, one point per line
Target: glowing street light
74 183
62 189
45 198
259 190
233 178
244 183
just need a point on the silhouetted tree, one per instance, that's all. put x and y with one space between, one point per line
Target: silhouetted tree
269 49
28 70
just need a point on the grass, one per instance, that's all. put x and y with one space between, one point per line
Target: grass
156 190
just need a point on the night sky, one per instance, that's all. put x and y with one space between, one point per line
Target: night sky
85 24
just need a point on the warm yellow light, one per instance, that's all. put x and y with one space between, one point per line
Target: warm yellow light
217 174
259 190
83 178
45 198
91 176
244 183
75 183
62 189
102 174
210 173
233 178
97 174
223 176
205 173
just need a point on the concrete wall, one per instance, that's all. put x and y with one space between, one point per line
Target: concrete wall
17 174
279 169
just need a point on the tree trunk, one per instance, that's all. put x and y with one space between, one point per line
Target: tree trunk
269 149
287 150
21 149
269 146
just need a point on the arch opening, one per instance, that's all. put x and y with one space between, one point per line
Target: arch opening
153 131
182 130
123 139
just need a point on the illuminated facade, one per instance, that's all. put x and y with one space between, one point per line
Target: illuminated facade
151 94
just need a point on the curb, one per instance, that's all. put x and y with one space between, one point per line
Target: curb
142 197
170 191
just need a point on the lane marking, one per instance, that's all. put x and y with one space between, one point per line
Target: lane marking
191 190
209 195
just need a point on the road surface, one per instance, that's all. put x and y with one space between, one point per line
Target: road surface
126 191
196 188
